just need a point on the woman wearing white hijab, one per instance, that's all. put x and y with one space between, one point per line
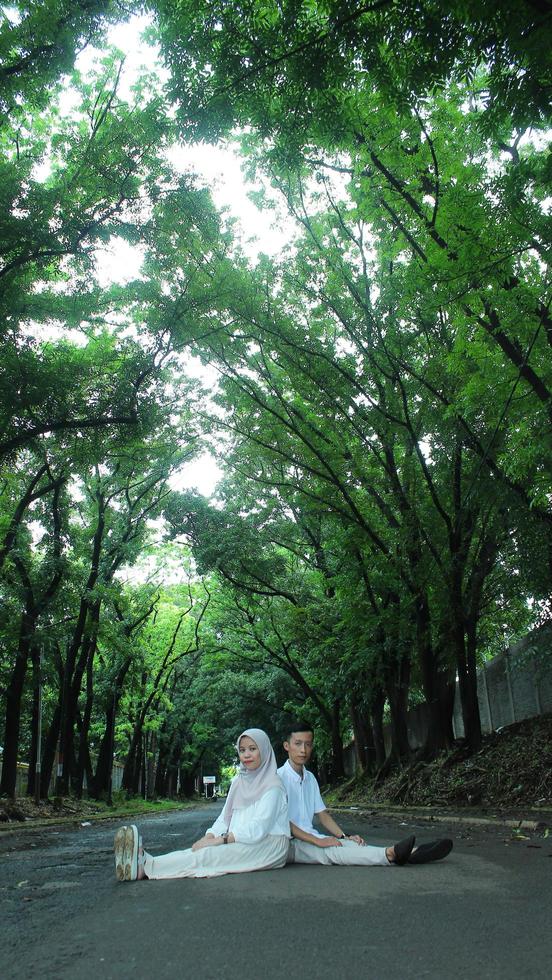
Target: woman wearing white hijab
251 834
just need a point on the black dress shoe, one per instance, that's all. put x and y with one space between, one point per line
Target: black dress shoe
403 850
434 851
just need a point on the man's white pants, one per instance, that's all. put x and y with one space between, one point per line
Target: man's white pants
348 854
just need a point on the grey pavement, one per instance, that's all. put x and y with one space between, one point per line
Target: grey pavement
482 913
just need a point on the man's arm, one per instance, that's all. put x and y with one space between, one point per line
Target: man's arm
330 825
311 839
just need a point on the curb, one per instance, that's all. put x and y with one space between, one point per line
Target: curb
515 823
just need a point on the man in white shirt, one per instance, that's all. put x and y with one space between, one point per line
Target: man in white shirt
309 846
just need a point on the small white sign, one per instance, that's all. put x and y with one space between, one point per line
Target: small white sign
209 779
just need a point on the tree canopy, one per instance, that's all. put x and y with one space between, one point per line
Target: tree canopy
382 415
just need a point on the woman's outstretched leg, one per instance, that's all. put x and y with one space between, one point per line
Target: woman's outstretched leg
210 862
133 863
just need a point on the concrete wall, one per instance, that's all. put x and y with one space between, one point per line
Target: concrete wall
516 684
22 774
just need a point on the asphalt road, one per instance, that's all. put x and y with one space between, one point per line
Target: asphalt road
484 912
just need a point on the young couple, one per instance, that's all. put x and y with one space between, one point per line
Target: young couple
267 822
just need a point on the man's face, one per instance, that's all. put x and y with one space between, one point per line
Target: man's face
299 748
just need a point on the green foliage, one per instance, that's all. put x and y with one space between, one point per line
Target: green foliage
385 385
284 68
39 42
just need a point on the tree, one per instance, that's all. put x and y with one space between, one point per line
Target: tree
39 43
285 67
385 392
39 577
426 268
100 413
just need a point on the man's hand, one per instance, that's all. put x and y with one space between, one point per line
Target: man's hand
328 842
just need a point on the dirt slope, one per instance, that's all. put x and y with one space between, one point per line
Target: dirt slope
512 770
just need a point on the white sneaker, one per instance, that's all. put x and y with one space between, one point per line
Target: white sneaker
126 853
141 871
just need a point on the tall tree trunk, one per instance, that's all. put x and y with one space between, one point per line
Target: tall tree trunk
364 741
84 764
102 778
174 759
71 683
133 762
446 681
99 785
31 774
467 676
161 772
14 693
187 782
460 536
163 756
68 706
79 761
338 766
49 753
439 735
486 558
397 687
376 717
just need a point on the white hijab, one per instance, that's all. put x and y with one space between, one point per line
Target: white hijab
249 785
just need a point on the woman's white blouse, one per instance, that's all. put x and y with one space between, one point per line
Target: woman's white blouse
268 816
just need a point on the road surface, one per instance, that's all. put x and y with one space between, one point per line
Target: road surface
483 913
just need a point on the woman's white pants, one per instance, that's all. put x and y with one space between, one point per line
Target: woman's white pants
222 859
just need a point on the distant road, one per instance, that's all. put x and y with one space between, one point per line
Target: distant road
483 913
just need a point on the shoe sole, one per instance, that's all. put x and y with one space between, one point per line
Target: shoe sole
126 853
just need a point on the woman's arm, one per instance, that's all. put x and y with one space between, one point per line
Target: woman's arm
215 835
210 840
219 827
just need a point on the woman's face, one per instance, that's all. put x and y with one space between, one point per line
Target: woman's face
249 753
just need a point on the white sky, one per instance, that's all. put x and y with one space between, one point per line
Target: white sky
219 169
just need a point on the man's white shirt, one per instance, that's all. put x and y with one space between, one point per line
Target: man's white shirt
304 799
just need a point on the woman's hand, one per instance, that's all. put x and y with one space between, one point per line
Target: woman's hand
209 840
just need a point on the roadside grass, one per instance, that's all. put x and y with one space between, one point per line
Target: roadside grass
16 814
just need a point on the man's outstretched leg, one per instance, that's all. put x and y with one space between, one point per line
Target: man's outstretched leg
350 854
434 850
